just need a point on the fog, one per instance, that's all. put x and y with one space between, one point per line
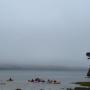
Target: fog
45 32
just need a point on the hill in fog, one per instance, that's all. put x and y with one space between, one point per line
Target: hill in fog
34 67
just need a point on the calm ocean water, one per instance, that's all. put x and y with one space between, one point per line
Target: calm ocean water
21 76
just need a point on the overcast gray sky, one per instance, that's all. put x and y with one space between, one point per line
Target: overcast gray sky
45 32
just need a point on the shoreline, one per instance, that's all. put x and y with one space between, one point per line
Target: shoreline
83 86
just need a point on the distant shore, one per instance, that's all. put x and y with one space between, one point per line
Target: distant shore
28 67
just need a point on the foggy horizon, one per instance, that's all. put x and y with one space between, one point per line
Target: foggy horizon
46 33
41 67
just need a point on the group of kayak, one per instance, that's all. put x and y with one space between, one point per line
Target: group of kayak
38 80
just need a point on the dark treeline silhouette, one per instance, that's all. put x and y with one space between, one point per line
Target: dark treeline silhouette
88 55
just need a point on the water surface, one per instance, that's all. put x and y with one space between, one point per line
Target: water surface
21 76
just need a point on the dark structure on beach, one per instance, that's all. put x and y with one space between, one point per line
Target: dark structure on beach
88 55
